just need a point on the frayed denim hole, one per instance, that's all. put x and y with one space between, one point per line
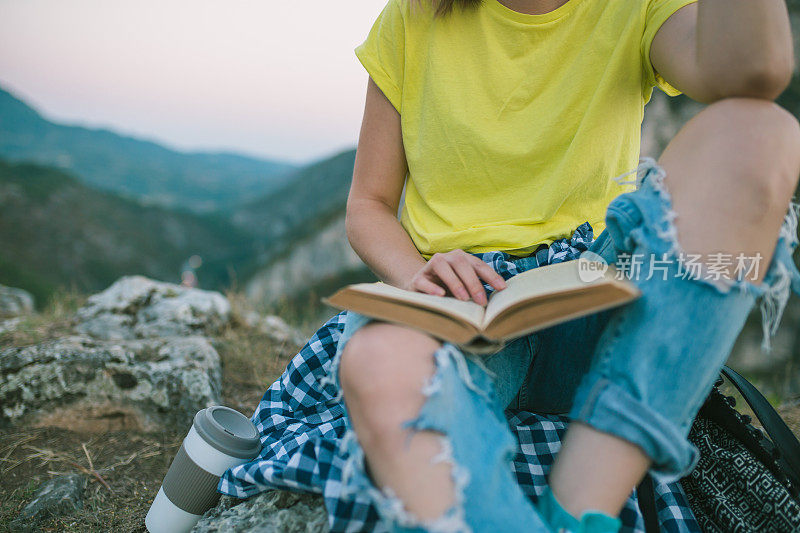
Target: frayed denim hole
454 518
355 474
789 227
664 228
781 279
660 236
774 295
445 357
643 169
649 178
355 479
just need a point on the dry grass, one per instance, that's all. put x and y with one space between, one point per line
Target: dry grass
251 359
791 414
125 468
55 320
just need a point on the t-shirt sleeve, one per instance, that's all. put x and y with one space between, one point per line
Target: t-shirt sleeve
383 52
657 12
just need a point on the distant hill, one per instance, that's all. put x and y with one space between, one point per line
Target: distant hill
295 210
56 231
302 248
134 167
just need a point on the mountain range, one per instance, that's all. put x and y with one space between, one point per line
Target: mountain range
58 232
81 207
135 168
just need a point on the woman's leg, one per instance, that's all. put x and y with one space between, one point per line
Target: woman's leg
382 390
437 445
730 174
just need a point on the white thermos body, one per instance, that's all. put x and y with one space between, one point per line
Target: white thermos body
219 438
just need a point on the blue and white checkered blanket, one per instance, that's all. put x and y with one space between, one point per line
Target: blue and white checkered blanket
301 423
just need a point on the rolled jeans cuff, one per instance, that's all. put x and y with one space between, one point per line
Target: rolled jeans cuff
609 408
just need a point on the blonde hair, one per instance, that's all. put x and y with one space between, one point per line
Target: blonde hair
444 7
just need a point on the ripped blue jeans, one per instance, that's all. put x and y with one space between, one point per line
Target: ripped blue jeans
640 372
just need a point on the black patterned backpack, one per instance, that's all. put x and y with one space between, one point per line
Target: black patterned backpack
745 481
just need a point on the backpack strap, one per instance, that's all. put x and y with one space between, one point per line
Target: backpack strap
780 434
646 499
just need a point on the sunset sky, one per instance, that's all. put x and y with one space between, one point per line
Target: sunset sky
273 79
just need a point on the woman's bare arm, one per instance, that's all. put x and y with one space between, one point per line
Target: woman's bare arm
717 49
378 177
375 232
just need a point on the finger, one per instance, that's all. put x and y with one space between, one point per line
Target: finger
466 271
488 274
445 272
427 286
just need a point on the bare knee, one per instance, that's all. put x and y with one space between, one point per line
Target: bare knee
766 147
376 353
383 370
752 114
746 148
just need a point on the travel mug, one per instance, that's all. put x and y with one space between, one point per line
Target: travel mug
219 438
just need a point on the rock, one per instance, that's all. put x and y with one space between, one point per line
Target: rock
82 383
140 360
273 511
325 256
9 325
15 302
61 495
275 327
138 307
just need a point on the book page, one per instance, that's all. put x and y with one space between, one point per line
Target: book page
469 312
535 283
533 315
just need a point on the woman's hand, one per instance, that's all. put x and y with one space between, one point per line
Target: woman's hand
459 273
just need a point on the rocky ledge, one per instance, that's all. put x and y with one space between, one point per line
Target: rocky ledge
139 356
269 512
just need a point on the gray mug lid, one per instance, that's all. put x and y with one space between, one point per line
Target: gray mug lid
229 431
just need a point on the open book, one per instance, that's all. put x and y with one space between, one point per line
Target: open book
533 300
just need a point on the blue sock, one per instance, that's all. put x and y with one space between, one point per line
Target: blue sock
560 520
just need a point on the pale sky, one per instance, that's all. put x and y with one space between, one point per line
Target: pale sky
274 79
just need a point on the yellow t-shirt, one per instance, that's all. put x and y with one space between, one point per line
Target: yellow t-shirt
513 124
